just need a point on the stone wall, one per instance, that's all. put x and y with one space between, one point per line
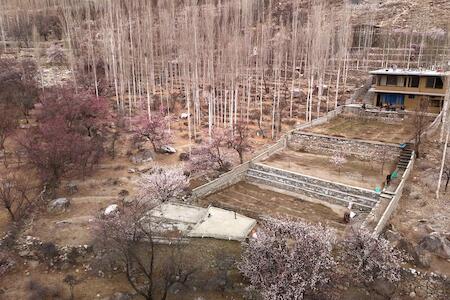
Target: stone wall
329 145
312 187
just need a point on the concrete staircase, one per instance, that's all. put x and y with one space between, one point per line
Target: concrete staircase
312 187
405 156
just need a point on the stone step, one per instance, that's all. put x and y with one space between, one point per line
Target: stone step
311 188
317 182
320 196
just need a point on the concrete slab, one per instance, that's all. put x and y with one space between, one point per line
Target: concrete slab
223 224
178 212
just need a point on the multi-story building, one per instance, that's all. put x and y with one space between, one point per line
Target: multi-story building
404 89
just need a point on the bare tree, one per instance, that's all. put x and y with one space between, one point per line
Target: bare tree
238 139
15 196
420 121
130 239
8 123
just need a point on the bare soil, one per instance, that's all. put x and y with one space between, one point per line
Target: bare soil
259 201
419 212
359 128
354 172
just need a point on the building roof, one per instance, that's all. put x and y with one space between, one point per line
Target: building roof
410 72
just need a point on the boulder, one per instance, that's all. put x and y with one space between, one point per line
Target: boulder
59 205
111 210
142 156
168 149
184 115
436 244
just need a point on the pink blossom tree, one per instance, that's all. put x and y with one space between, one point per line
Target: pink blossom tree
163 184
289 259
154 128
238 139
81 112
55 151
338 160
366 257
211 155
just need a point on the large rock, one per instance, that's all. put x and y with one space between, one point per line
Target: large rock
142 157
111 210
59 205
436 244
168 149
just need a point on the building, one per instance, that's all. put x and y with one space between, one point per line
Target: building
402 88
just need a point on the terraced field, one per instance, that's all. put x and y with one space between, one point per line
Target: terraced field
256 201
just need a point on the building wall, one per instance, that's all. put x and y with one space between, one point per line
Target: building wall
400 88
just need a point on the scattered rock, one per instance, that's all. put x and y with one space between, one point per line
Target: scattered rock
168 149
384 287
412 294
59 205
142 156
111 210
123 193
184 156
120 296
184 115
71 188
436 244
131 171
393 236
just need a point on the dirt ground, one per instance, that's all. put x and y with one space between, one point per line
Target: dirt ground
358 128
205 255
354 172
259 201
75 226
419 212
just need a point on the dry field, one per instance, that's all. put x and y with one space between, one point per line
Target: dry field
354 172
259 201
358 128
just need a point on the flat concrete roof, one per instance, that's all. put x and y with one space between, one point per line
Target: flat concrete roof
195 221
411 72
223 224
178 212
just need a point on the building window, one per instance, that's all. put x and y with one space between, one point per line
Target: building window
391 80
414 81
435 83
436 101
411 96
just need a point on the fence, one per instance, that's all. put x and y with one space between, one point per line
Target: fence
395 200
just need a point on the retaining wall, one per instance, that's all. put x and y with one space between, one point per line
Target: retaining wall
313 187
237 174
395 200
390 117
329 145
